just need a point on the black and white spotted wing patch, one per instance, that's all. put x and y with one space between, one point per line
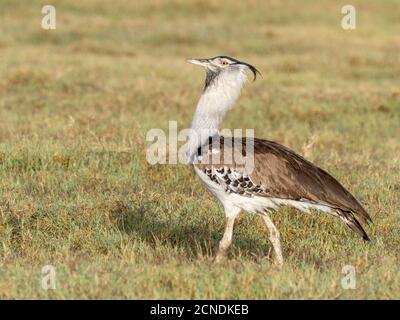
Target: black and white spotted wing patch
234 181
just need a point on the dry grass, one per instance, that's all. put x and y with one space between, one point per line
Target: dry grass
77 193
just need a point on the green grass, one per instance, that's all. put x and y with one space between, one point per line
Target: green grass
76 190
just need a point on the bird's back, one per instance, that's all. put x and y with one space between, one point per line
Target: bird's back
280 173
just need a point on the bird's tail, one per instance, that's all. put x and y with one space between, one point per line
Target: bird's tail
353 224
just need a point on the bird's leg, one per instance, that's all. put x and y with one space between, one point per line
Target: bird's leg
226 239
274 237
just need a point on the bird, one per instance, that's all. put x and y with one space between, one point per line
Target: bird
277 175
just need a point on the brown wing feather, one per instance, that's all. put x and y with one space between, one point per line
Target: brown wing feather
288 174
281 173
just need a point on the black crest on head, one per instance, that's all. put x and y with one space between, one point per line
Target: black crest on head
252 68
211 75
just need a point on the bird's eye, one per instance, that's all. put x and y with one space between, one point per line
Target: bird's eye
224 62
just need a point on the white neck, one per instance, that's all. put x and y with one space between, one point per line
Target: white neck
217 98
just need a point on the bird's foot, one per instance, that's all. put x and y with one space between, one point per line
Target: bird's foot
219 257
278 261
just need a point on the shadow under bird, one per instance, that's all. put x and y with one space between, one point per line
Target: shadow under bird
278 176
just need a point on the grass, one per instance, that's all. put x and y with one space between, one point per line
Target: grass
76 191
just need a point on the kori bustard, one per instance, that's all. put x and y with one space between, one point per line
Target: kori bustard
278 176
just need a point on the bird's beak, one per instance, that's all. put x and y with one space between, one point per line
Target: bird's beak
200 62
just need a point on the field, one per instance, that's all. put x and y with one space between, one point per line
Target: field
77 193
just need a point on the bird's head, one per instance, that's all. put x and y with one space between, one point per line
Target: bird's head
224 67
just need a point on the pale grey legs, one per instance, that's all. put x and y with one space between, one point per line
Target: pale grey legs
226 239
274 238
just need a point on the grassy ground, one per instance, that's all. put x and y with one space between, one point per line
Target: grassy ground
76 191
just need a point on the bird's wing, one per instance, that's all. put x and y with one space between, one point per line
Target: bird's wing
277 172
